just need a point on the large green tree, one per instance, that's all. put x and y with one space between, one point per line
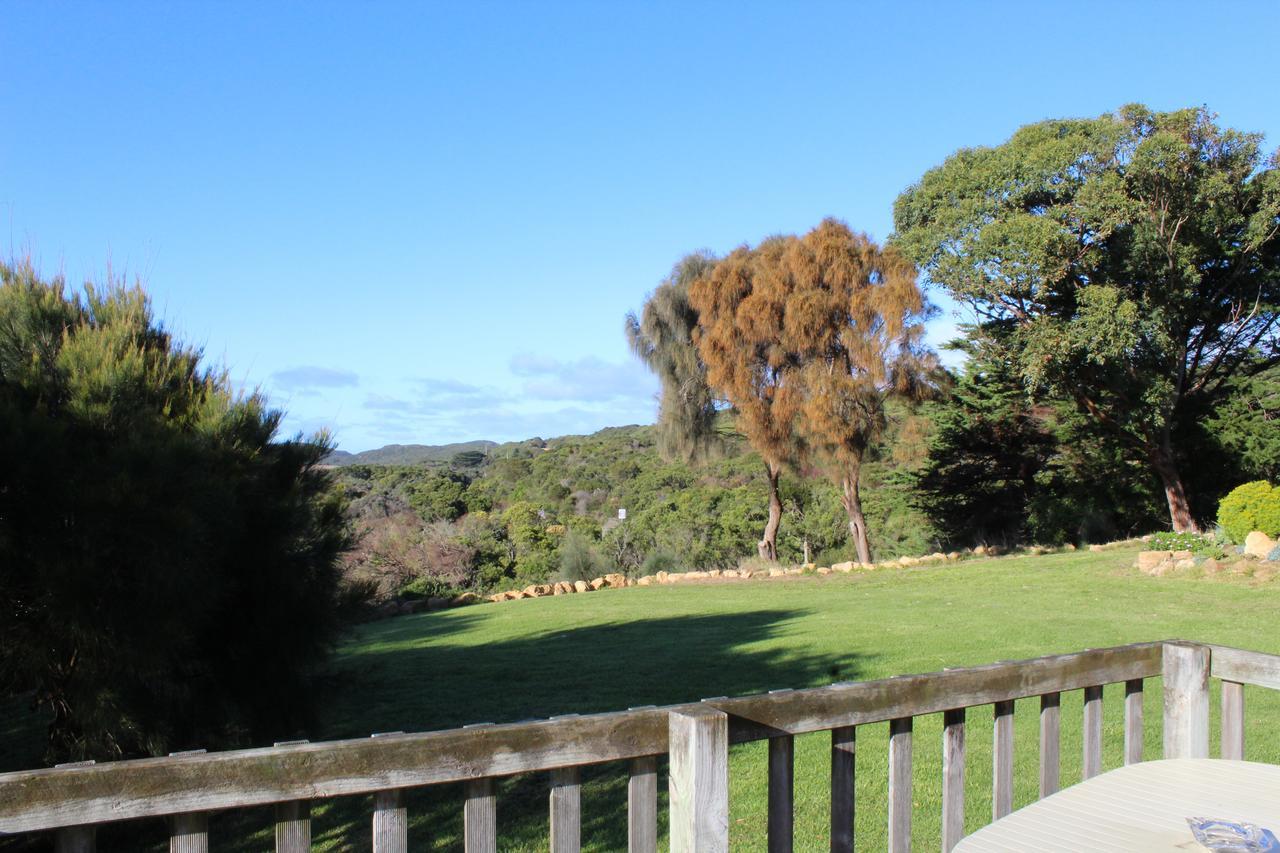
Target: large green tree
1129 262
167 567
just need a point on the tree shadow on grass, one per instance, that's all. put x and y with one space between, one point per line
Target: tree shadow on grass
417 680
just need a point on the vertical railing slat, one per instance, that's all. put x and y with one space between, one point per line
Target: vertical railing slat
1133 732
698 774
480 817
1186 701
843 754
1002 761
952 778
1092 764
1233 720
642 805
189 833
390 822
781 792
566 810
1050 756
900 788
293 827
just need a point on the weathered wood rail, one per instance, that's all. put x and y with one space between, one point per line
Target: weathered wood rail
184 789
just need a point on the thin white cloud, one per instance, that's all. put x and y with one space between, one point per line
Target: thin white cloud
312 377
584 380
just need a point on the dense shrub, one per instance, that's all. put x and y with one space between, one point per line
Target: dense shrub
660 561
579 559
167 568
1252 506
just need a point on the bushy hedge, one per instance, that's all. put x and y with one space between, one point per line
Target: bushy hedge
1252 506
167 567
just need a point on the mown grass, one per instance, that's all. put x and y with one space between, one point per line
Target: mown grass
660 645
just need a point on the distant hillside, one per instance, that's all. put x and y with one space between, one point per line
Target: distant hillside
408 454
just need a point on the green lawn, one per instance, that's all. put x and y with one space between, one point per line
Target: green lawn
659 645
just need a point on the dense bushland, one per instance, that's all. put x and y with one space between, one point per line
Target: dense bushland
542 509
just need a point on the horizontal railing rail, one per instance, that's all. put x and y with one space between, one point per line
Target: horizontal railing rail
187 787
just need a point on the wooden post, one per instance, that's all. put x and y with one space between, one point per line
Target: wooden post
952 778
390 823
900 790
699 780
480 817
1002 761
642 805
75 839
1050 758
566 810
1233 720
843 752
1092 763
189 833
1186 701
781 793
1133 732
293 827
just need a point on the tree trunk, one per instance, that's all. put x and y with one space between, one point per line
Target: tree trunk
768 546
853 507
1175 493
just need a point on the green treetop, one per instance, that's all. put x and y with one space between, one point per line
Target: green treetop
1129 262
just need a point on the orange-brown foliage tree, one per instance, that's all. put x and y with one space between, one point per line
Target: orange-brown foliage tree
741 305
854 324
807 337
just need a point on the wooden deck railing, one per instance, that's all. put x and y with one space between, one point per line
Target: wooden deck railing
185 788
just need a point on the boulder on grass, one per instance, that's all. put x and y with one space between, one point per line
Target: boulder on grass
1150 560
580 586
464 599
1212 566
844 567
597 583
1258 544
729 573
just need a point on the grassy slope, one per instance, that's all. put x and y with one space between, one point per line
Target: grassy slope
659 645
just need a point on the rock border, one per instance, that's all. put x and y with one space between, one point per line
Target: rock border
617 580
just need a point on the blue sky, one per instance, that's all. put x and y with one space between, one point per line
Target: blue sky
422 223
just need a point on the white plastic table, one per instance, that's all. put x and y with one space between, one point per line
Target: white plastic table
1141 808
